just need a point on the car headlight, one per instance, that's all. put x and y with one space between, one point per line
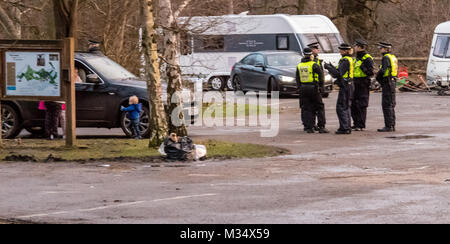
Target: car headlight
286 79
328 79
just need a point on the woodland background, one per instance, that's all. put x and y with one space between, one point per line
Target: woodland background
408 24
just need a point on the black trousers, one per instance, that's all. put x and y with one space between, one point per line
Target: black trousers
360 101
389 101
312 106
344 105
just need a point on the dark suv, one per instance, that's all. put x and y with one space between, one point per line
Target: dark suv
104 87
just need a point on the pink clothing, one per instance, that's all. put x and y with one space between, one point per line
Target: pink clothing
42 106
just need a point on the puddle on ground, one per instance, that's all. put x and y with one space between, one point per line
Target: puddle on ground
411 137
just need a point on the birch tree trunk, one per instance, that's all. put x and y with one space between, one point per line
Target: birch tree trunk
158 119
168 19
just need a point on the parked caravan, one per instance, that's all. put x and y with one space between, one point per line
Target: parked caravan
215 44
439 62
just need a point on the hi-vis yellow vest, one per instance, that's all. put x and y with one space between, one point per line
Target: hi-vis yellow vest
393 70
306 72
349 74
359 73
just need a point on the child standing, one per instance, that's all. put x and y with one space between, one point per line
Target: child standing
134 114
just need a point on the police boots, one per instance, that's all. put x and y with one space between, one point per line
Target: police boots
387 129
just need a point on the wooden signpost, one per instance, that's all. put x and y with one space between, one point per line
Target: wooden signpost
39 71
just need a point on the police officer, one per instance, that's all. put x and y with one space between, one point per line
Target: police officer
310 80
387 77
364 70
344 75
315 47
94 47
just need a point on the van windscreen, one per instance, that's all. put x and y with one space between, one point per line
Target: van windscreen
440 46
329 42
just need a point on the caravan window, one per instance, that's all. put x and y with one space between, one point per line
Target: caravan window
329 42
283 42
441 44
209 43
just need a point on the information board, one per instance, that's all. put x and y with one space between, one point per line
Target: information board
36 74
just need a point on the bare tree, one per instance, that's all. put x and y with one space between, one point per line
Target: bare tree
11 12
171 54
158 119
66 18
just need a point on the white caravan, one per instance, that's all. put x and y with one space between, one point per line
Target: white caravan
439 61
215 44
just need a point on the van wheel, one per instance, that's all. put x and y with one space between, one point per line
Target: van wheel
10 122
144 123
217 83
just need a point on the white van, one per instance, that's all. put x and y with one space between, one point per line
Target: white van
216 43
439 61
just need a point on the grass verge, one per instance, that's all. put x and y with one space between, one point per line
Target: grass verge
121 149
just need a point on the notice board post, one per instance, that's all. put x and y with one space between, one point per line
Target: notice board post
69 62
39 71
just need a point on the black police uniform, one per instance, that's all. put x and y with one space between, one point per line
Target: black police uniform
362 91
388 85
318 61
311 102
344 75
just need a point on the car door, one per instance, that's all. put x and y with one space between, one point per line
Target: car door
245 67
93 100
259 73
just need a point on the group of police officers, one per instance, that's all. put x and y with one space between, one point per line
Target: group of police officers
353 76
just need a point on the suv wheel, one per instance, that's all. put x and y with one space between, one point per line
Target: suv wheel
144 123
217 83
10 122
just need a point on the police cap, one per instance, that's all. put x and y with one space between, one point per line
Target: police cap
345 46
384 45
314 45
361 43
94 42
307 51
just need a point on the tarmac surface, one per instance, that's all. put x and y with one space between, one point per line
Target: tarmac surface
366 177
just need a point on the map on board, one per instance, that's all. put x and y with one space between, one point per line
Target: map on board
33 74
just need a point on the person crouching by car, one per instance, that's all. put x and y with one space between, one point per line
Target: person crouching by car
134 114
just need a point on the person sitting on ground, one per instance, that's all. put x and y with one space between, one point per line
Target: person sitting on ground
134 114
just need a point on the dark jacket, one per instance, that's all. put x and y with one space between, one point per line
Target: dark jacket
134 111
